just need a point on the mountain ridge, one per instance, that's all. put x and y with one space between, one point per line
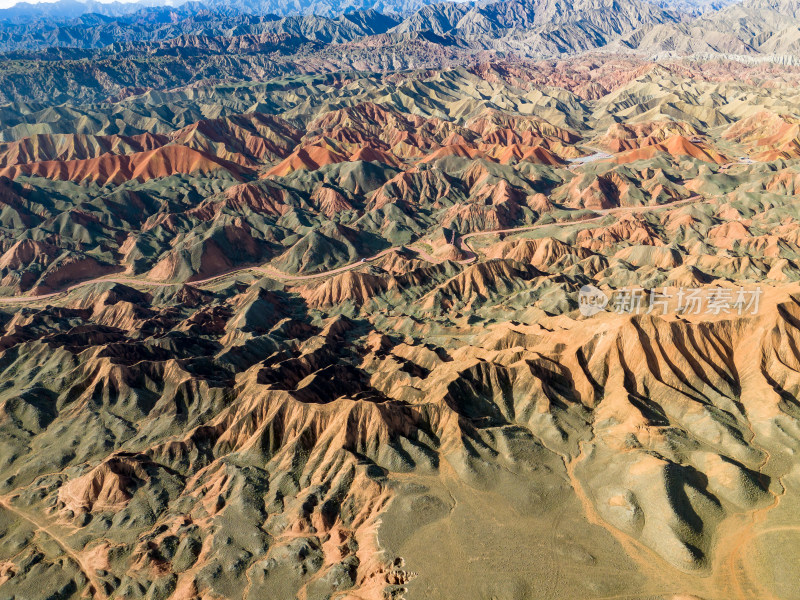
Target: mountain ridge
367 39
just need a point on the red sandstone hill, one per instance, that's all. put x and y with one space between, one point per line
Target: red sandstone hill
630 136
114 169
309 158
676 145
767 135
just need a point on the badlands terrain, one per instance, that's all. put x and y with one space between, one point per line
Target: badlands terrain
298 326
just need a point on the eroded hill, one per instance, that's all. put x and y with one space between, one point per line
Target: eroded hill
320 337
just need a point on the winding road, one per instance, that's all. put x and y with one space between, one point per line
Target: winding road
276 274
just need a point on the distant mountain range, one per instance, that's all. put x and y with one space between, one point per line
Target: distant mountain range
71 9
541 26
108 55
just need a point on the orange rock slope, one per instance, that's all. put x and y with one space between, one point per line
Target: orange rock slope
116 169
